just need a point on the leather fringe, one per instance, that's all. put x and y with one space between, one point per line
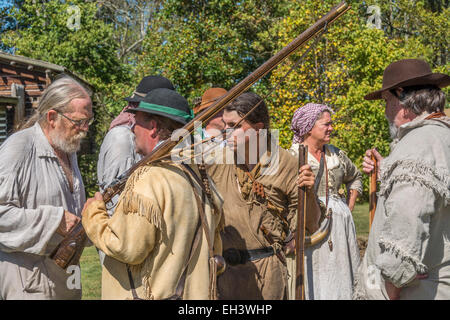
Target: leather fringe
135 203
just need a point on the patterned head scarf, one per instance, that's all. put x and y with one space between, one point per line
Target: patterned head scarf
304 119
125 118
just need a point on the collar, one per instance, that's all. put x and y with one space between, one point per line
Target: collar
43 147
269 155
266 158
419 121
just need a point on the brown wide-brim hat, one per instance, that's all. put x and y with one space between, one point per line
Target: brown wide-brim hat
409 72
209 97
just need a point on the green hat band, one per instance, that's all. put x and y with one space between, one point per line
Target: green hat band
156 107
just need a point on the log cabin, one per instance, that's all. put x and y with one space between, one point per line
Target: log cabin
22 81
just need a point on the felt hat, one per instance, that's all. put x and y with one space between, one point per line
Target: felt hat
146 85
409 72
166 103
209 97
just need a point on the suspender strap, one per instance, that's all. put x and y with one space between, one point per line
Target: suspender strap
178 295
180 287
132 286
319 173
200 204
322 168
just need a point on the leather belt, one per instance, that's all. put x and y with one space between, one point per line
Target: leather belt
235 256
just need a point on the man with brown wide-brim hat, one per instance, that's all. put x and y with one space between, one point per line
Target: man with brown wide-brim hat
408 253
215 125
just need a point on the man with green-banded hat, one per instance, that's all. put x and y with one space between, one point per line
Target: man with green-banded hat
161 241
118 150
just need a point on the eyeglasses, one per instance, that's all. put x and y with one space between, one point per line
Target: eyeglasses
79 123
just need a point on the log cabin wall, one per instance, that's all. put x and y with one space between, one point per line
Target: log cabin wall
33 81
22 82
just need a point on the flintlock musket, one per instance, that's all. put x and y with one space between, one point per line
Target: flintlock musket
70 248
165 148
373 191
300 234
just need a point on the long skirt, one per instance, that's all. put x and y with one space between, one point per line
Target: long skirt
330 266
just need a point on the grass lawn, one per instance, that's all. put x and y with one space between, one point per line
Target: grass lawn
91 272
361 218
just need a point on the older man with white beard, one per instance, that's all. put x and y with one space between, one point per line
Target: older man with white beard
42 193
408 253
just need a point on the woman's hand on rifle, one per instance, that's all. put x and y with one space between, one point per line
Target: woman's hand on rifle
306 179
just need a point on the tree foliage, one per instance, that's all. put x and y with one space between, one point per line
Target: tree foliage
48 30
342 68
199 44
202 43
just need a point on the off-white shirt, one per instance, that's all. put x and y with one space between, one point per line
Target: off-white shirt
117 155
410 230
34 192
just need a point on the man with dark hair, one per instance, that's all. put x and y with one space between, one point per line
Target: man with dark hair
259 187
161 240
118 150
408 253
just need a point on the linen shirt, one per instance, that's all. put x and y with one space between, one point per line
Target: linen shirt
410 230
117 155
34 192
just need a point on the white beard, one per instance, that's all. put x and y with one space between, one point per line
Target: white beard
393 130
67 145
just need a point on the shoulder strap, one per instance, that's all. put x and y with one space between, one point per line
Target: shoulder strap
201 221
435 115
180 286
320 172
200 204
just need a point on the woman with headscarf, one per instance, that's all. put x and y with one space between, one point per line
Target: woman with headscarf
331 263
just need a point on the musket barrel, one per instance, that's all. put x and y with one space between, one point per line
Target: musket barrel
300 230
237 90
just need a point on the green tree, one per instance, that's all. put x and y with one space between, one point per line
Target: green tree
425 21
345 65
51 31
199 44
